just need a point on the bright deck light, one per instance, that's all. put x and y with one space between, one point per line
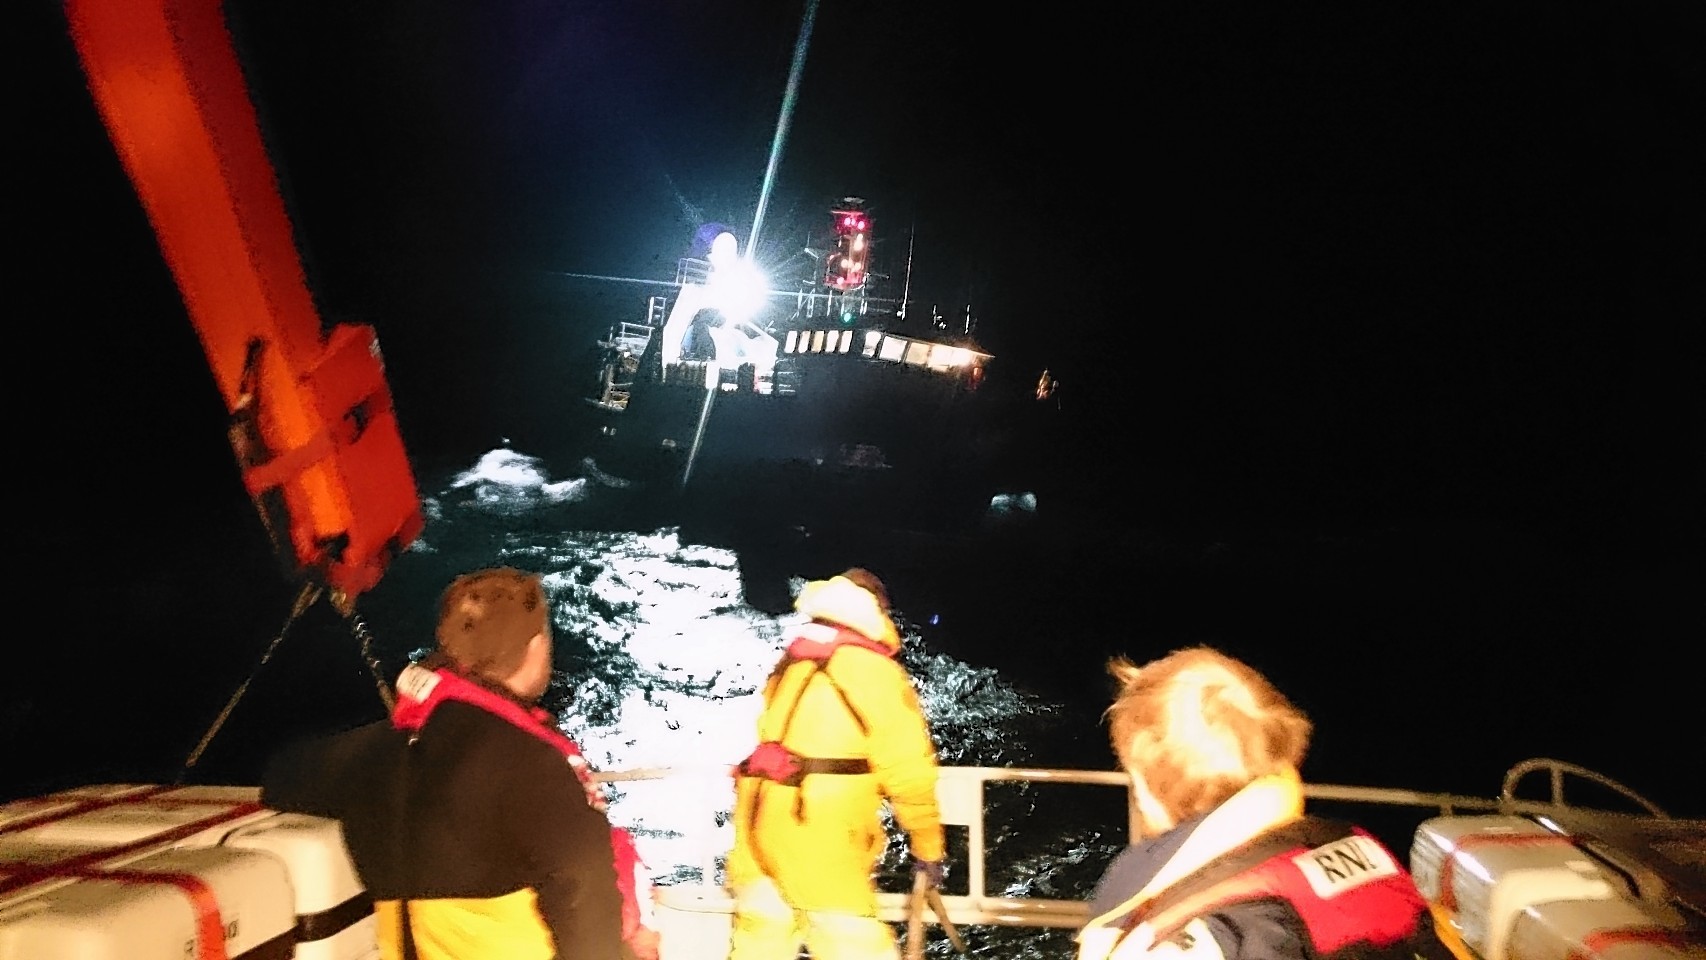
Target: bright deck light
735 285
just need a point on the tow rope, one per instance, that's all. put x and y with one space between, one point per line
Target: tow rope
305 598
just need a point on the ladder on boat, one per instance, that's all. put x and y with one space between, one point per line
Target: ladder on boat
623 348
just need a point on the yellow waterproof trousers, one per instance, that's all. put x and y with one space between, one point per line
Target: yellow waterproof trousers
767 928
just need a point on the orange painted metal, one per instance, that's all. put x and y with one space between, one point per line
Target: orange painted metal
313 426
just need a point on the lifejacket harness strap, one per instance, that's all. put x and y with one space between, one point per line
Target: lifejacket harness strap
409 952
845 766
763 765
846 701
1223 880
797 766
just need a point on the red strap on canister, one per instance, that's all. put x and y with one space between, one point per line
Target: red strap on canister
1447 896
209 927
1596 943
27 874
80 807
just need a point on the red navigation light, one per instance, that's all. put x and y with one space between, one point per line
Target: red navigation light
845 268
849 221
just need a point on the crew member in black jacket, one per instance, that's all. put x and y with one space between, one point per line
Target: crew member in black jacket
465 820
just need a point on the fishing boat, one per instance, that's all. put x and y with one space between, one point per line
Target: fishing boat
821 402
133 871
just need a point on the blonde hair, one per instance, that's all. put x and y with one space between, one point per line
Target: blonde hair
1198 725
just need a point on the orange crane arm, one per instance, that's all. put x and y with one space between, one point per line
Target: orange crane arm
313 427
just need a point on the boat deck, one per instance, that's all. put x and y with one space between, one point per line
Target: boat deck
1578 876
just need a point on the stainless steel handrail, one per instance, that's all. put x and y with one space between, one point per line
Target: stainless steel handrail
1556 770
961 791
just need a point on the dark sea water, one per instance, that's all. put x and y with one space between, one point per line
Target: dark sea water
1431 653
1430 657
1433 648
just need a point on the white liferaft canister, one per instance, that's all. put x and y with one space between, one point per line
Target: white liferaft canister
78 853
1615 929
203 902
1436 842
334 916
1481 873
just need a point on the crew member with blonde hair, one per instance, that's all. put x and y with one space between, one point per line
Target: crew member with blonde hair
841 731
1229 865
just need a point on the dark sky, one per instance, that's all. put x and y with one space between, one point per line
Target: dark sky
1454 253
1345 265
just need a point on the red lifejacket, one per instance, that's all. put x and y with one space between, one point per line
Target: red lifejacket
1347 890
818 641
419 693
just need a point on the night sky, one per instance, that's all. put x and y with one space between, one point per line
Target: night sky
1340 268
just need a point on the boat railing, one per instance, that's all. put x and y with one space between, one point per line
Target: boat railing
692 270
632 338
1557 772
962 796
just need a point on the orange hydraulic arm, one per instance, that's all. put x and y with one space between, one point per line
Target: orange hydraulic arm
313 427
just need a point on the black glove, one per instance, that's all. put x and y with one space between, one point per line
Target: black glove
933 871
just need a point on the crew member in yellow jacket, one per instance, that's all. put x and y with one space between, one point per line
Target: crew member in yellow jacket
841 731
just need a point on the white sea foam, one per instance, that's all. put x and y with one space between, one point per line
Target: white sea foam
508 479
660 659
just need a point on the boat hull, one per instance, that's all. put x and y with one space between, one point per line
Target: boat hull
848 440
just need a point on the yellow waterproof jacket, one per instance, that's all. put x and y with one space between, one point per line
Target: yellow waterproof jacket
820 841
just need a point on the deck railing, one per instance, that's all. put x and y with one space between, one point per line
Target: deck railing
962 795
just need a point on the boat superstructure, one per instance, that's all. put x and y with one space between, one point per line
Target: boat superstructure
827 394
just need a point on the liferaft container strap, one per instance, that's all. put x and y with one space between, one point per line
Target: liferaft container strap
80 806
82 864
209 926
1448 869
